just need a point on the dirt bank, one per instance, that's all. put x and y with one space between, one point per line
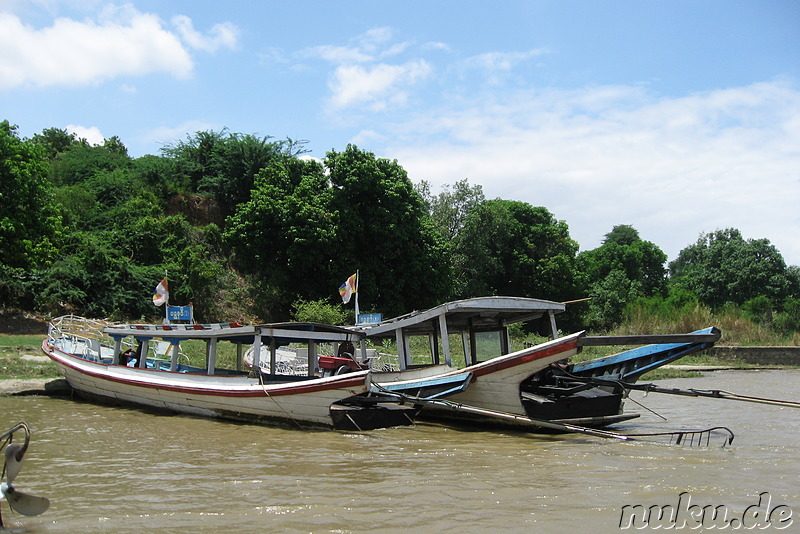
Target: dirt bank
15 322
34 386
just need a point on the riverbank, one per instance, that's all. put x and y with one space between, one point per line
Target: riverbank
52 387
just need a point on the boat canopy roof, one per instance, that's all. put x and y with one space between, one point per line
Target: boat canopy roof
280 333
468 315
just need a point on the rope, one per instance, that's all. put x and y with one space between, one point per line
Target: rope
270 397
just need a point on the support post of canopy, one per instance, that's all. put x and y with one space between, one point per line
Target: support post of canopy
239 358
402 352
257 350
312 357
465 346
362 346
445 339
117 349
173 364
433 341
144 346
272 355
505 340
553 327
212 355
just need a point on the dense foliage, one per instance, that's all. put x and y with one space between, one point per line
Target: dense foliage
247 228
623 269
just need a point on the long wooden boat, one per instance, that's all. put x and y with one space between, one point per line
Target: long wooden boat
97 370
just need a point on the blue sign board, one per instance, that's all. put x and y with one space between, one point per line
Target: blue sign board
370 318
179 313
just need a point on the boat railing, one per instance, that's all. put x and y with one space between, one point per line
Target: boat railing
80 336
384 362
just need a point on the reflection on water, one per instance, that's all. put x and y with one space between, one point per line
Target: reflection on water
122 470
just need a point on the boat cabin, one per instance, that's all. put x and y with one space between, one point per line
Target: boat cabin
480 321
260 341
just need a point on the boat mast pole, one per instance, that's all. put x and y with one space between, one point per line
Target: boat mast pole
166 304
358 281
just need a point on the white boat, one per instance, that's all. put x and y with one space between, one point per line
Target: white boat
95 369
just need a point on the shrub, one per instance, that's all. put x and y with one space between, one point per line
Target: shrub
319 311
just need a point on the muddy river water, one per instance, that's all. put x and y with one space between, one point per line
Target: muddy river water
117 470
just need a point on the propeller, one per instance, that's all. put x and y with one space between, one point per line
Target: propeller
21 503
14 454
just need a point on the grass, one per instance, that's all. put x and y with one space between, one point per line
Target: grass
14 363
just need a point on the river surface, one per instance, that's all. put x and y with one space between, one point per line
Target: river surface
116 470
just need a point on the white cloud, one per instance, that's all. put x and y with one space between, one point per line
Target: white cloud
119 41
337 54
363 76
501 61
92 134
221 35
671 167
376 87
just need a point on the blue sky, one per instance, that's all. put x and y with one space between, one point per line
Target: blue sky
676 117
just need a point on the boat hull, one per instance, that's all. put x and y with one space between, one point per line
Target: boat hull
296 403
495 383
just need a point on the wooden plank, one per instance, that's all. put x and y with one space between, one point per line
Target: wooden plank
596 341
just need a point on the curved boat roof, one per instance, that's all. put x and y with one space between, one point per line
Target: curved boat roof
481 313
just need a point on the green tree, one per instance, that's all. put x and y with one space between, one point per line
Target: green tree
92 277
610 296
319 311
787 320
225 165
30 227
622 250
284 235
305 230
114 145
382 230
622 234
724 267
450 208
512 248
56 140
622 269
81 163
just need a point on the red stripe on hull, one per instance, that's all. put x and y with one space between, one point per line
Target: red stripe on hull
296 388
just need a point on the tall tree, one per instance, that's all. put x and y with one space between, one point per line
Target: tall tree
56 140
622 250
80 163
449 209
307 228
512 248
284 235
723 266
618 272
622 234
29 221
223 164
383 230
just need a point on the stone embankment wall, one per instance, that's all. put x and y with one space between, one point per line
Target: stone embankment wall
758 355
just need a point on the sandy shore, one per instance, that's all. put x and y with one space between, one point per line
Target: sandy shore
34 386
